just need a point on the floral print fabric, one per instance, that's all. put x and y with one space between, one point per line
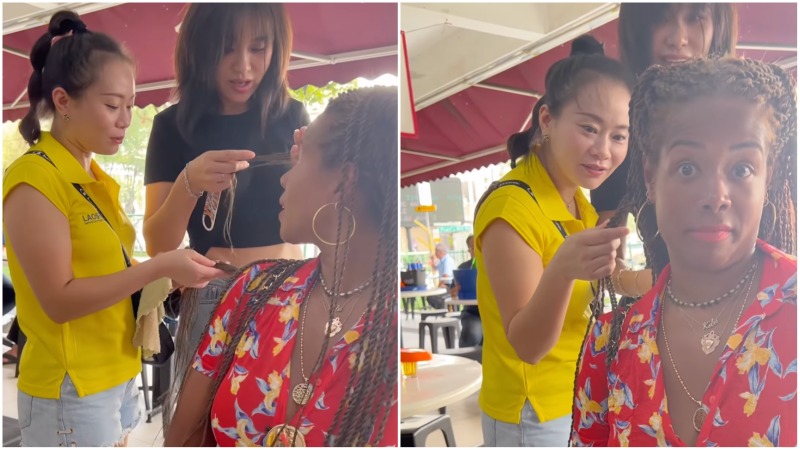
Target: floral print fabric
254 394
750 400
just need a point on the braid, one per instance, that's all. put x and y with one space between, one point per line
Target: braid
662 87
363 132
241 316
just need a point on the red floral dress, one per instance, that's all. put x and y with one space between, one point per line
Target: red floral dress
750 400
254 395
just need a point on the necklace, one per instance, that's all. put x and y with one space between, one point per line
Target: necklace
700 414
335 326
342 294
709 339
713 301
302 392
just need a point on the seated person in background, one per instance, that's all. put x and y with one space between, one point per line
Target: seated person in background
444 266
471 330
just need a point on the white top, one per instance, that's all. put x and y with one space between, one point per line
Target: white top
440 382
425 293
462 302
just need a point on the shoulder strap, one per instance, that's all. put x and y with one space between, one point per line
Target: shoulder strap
85 195
521 184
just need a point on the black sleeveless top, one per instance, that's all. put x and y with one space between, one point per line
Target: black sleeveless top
255 214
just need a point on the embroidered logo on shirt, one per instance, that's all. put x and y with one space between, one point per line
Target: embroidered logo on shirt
92 218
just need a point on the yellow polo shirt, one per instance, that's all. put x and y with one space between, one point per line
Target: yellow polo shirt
507 380
95 350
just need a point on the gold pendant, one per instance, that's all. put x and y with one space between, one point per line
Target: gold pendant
333 328
302 393
699 418
285 436
709 342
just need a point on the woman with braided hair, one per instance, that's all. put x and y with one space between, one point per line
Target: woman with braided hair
305 353
663 34
69 242
539 245
708 356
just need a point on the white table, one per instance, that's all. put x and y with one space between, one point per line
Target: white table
425 293
440 382
462 302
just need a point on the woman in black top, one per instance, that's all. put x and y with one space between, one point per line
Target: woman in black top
231 68
665 34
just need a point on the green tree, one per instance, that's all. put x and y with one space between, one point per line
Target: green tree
313 96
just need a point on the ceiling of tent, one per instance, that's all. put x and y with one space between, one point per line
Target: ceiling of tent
332 42
478 69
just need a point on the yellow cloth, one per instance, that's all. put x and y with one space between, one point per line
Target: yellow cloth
150 314
507 380
96 349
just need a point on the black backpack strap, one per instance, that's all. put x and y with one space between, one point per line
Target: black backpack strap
521 184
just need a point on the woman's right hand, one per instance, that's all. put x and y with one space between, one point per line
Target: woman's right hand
590 254
212 171
188 268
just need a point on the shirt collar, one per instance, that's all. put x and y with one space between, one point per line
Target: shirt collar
548 197
67 164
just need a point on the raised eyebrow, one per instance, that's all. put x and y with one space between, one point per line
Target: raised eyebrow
747 145
686 143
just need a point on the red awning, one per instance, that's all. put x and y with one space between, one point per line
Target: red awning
361 38
468 130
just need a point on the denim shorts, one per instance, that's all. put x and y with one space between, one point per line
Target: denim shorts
99 420
530 432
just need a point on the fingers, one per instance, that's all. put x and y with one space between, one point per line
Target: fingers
202 260
231 155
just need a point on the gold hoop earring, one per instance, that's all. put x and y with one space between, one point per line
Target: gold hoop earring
637 219
335 206
774 217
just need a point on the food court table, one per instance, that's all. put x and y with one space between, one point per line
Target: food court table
440 382
462 302
409 297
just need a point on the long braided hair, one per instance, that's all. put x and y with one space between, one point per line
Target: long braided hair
363 132
662 87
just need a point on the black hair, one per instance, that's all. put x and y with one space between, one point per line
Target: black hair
586 64
659 89
206 31
72 63
637 21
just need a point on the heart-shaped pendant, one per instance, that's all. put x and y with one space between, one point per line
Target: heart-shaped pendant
709 342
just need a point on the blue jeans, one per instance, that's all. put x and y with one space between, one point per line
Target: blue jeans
98 420
530 432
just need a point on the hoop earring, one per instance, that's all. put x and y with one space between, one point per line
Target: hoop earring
637 219
336 206
774 216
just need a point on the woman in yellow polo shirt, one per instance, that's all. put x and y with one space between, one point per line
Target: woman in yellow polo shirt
538 246
68 258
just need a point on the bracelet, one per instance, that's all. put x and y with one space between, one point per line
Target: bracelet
186 183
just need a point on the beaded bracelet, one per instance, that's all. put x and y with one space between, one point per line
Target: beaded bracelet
188 187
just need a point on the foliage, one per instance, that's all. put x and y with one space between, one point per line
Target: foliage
318 97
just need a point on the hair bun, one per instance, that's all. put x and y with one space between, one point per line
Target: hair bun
64 22
586 45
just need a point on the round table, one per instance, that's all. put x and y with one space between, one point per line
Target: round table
440 382
425 293
462 302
